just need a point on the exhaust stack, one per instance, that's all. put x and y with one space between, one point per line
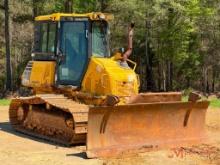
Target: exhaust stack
130 42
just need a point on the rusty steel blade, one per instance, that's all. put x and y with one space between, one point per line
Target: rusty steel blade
155 97
125 129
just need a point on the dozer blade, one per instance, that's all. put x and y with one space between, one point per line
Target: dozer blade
126 129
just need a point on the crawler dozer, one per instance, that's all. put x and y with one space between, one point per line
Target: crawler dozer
82 94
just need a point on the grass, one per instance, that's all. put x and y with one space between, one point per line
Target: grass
214 102
4 102
185 98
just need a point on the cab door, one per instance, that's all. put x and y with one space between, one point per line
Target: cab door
74 48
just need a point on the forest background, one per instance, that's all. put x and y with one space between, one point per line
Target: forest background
176 42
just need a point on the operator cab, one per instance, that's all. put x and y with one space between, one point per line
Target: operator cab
71 39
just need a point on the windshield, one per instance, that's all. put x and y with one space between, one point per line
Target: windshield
100 45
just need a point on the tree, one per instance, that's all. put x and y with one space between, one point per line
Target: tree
149 54
37 7
7 47
182 49
68 6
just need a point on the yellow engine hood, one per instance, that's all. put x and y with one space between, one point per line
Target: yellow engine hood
105 76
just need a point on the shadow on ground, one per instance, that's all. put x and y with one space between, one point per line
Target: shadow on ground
6 127
80 155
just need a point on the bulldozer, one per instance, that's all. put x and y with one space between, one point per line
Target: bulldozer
84 94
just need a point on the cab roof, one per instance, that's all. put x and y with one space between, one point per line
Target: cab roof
91 16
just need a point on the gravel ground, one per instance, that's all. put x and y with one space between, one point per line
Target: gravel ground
19 149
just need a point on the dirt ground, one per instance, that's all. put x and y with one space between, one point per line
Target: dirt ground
19 149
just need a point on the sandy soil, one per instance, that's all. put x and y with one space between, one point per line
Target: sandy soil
19 149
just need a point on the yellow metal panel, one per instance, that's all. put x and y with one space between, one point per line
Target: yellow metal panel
106 77
42 74
91 16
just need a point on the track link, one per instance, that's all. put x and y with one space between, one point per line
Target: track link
50 117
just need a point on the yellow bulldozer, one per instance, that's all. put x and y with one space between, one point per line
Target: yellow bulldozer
82 94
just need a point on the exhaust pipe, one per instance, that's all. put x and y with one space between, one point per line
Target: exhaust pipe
130 42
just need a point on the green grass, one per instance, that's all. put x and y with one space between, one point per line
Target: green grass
4 102
185 98
214 102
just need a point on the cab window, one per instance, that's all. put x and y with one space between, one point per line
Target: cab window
45 34
100 41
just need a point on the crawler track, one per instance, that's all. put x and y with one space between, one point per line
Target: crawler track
50 117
